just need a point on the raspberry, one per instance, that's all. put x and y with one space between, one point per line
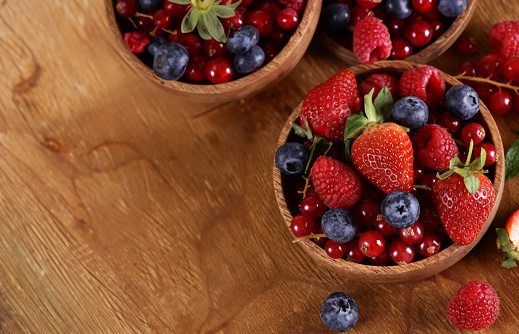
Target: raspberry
503 37
510 46
474 307
371 40
378 81
426 83
434 147
337 184
137 41
298 5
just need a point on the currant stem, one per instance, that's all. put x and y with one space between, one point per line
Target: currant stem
307 183
419 186
143 15
461 143
492 82
310 236
134 25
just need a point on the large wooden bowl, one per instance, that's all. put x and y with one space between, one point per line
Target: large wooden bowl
418 269
432 51
248 85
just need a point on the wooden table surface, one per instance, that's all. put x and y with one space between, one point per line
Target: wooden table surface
125 209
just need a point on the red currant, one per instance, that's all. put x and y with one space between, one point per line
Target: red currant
401 252
382 226
401 48
432 15
395 26
437 26
353 252
301 225
212 48
449 122
366 213
467 46
272 7
500 102
372 243
473 131
413 234
195 70
368 3
491 66
144 23
491 153
372 193
359 13
193 44
321 241
381 13
430 244
429 219
419 33
511 69
424 6
127 8
261 20
176 10
382 259
429 179
270 50
469 69
484 90
418 171
335 250
219 70
312 206
162 19
515 102
237 21
278 36
287 19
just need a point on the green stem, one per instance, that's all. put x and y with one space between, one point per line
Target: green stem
310 159
471 146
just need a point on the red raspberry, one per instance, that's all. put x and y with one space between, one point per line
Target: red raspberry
426 83
434 147
337 184
371 40
298 5
137 41
474 307
378 81
504 39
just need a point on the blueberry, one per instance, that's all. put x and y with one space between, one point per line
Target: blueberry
154 44
291 158
452 8
462 102
170 61
400 209
249 61
336 16
339 225
150 5
339 312
410 112
400 9
242 39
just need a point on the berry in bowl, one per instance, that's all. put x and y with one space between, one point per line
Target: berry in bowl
365 31
394 177
213 50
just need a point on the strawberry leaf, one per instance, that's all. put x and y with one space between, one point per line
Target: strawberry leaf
181 2
384 104
479 163
305 131
504 243
298 130
456 162
224 12
354 125
369 108
471 182
190 21
347 150
512 160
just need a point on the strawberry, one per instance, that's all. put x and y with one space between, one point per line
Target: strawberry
337 184
328 105
464 198
475 306
381 152
508 240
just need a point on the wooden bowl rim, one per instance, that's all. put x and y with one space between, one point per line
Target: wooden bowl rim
418 269
307 25
425 55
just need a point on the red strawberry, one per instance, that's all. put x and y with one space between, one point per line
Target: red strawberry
328 105
475 306
383 154
371 40
508 240
464 198
337 184
434 147
504 39
426 83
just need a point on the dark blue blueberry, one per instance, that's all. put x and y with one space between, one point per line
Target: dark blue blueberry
291 158
336 16
462 102
339 225
410 112
339 312
400 9
452 8
170 61
400 209
150 5
249 61
242 39
154 44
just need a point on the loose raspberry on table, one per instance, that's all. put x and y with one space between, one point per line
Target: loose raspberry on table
426 83
434 147
504 39
379 81
371 40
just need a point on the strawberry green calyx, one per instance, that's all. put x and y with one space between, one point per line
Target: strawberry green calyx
511 251
468 170
204 16
318 142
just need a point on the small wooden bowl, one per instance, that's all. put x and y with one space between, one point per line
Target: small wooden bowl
248 85
432 51
418 269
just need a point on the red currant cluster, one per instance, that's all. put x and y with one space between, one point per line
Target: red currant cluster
420 28
209 59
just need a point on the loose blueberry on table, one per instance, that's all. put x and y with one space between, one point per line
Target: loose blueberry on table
222 39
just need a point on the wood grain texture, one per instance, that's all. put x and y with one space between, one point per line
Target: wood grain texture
126 209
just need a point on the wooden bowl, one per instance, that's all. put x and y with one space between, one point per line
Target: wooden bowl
432 51
418 269
248 85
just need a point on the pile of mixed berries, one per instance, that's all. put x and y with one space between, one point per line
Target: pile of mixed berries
496 76
388 29
385 183
207 41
